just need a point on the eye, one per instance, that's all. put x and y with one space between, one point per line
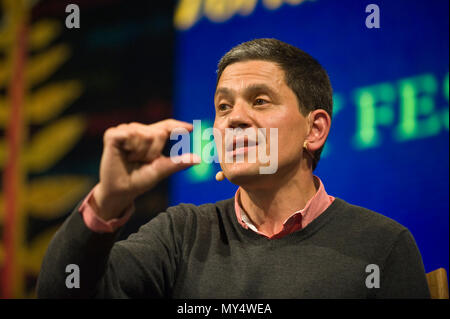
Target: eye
223 107
260 102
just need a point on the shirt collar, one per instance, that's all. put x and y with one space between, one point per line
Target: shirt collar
313 208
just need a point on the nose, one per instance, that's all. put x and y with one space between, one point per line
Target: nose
239 117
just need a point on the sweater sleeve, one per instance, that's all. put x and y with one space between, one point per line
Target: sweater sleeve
403 273
142 266
95 222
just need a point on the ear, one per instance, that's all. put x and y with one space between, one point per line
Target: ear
319 127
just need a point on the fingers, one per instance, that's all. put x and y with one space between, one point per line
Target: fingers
166 166
132 160
140 142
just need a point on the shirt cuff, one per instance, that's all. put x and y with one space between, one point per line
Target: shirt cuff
96 223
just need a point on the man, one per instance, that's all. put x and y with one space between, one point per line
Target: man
281 236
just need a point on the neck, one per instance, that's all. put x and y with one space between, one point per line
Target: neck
269 207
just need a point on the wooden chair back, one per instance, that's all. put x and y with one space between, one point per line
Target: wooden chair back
438 284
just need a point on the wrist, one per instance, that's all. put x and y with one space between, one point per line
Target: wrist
109 207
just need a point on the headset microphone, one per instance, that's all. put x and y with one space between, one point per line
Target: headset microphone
220 176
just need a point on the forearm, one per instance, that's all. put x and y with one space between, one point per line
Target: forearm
76 244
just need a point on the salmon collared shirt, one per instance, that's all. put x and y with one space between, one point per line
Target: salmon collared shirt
297 220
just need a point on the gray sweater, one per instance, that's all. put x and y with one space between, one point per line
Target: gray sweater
203 252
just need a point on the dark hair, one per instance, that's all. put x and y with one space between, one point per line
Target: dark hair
303 74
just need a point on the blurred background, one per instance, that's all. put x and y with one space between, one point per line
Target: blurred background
63 84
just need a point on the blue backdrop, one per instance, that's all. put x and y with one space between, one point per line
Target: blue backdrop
388 145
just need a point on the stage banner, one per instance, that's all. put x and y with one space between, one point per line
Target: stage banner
388 149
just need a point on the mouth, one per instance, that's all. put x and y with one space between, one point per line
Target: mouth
240 145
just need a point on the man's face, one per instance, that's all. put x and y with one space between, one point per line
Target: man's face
254 95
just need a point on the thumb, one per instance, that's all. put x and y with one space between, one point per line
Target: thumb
166 166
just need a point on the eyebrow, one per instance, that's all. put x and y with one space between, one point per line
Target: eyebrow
250 90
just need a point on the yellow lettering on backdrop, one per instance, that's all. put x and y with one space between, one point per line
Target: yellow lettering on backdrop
273 4
222 10
218 10
188 12
294 2
246 7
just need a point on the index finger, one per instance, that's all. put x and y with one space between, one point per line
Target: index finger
171 124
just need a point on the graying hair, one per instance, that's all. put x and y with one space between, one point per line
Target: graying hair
303 74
